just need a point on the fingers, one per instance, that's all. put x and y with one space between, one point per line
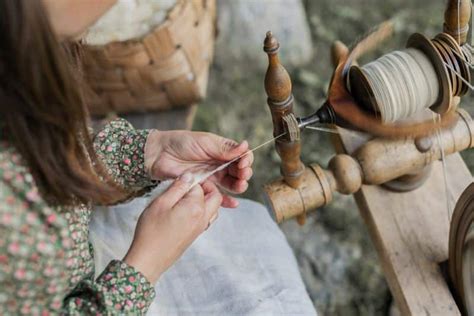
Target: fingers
243 168
196 194
212 197
229 149
192 202
246 161
233 184
212 201
192 210
229 202
175 192
241 174
208 187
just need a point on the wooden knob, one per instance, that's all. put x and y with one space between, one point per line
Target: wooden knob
347 173
270 44
277 80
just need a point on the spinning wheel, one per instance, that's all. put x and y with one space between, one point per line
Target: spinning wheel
376 158
461 250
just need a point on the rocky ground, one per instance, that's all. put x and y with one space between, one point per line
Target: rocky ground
336 257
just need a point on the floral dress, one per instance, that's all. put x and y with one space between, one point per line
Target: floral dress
46 263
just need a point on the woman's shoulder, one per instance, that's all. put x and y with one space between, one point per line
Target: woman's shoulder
14 175
19 195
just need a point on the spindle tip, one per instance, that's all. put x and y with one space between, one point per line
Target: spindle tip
270 45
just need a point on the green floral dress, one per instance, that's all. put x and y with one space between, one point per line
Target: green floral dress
46 264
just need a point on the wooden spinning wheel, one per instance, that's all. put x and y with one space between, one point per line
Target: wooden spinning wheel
461 250
412 229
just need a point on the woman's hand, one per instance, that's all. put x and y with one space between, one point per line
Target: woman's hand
169 154
170 224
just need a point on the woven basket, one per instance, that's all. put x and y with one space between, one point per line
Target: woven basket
167 68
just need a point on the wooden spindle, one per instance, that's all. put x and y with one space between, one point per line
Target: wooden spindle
280 101
456 19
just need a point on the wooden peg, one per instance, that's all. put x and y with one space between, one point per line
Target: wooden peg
280 101
456 19
277 80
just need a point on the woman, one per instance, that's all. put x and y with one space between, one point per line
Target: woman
51 171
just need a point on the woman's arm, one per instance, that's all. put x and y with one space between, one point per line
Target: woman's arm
121 148
45 260
38 263
119 289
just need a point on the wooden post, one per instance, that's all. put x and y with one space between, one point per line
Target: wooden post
456 19
280 101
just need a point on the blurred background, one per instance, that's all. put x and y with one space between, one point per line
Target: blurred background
336 258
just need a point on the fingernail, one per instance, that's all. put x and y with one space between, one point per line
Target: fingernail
187 177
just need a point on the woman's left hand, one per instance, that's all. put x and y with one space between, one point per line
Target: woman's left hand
169 154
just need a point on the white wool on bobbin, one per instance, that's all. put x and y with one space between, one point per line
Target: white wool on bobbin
404 82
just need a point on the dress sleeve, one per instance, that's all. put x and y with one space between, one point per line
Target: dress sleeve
119 289
122 150
38 272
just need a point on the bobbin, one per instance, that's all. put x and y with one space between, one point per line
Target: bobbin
462 57
439 51
453 79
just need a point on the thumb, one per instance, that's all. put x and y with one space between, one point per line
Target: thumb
176 191
230 149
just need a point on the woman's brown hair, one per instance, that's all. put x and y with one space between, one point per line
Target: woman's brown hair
42 111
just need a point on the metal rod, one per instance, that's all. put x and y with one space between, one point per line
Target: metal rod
323 129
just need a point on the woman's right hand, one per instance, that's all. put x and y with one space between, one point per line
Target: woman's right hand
170 224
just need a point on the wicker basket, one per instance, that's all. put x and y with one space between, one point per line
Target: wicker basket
167 68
